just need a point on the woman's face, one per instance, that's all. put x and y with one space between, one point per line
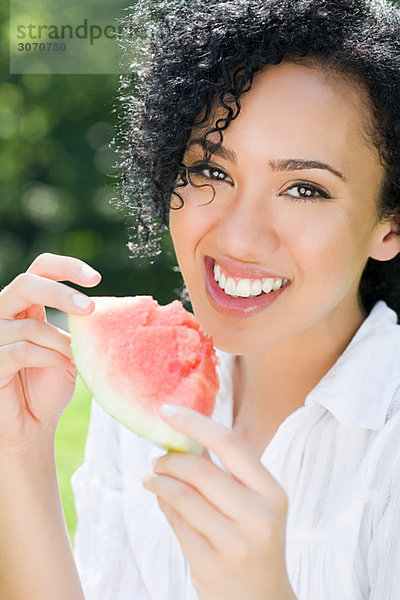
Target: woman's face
275 219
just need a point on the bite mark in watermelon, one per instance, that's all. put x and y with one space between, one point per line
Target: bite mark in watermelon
135 355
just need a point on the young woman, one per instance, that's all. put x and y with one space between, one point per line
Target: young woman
265 134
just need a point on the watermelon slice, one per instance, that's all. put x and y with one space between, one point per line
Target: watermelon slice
135 355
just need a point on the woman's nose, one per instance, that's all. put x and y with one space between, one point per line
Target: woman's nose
248 226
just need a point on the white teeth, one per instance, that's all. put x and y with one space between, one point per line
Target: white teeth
256 288
243 288
246 288
217 272
268 285
230 287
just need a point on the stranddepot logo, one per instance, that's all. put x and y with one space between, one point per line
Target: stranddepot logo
83 31
90 39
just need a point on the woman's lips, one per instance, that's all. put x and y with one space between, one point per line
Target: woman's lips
235 307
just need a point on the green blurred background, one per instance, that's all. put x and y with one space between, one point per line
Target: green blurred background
57 178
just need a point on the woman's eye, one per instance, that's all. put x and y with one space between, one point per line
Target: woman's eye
307 192
214 173
205 171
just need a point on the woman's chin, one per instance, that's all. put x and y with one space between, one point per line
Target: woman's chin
235 345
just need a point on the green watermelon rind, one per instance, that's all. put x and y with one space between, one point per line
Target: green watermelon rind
138 420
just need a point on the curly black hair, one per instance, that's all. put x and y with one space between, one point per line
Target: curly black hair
198 55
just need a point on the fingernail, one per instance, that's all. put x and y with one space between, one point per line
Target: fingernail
82 301
170 410
153 463
88 272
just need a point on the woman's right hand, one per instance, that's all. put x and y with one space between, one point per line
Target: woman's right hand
37 373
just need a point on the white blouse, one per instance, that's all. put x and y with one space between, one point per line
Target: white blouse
337 458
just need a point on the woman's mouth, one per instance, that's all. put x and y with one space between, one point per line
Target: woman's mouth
240 296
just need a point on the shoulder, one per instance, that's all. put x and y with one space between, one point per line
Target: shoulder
386 335
384 458
378 364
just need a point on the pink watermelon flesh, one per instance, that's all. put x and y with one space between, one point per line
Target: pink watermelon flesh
135 355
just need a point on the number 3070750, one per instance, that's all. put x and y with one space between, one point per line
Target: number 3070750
42 46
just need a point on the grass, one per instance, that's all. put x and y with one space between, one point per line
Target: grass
69 448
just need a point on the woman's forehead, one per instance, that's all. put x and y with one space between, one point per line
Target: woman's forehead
301 105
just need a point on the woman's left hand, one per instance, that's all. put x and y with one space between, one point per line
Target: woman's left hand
231 526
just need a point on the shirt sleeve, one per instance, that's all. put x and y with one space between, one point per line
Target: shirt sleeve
103 555
384 552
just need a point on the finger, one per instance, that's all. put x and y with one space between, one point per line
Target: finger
28 289
226 494
36 331
195 547
25 354
217 529
64 268
234 454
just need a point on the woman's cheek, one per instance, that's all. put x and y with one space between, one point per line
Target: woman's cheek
332 251
186 232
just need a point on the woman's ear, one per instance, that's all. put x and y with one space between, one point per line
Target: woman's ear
387 241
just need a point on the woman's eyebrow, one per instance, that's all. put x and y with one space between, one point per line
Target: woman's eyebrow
213 148
294 164
283 164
